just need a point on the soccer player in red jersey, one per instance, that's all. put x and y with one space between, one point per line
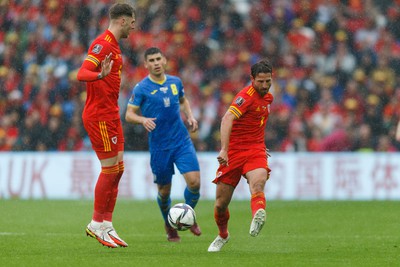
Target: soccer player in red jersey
243 152
101 70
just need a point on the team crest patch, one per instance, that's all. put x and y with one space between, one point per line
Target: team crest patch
97 48
239 101
114 140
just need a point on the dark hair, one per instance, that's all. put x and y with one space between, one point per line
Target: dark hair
263 66
152 51
118 10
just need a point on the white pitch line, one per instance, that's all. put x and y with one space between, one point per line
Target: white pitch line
8 233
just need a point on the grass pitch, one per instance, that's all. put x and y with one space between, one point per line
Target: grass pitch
308 233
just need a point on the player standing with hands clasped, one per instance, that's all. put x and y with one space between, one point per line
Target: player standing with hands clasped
243 152
160 97
102 71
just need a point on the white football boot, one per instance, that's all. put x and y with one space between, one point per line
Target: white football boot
258 222
218 243
101 236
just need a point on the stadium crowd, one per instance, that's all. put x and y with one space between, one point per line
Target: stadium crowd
336 68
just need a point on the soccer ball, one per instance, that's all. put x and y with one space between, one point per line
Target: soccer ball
181 217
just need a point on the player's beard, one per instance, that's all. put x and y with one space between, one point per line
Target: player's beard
125 32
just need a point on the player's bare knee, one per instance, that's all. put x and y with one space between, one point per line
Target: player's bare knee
220 207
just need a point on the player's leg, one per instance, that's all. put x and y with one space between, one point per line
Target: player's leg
192 190
221 211
192 195
107 153
257 179
228 177
164 203
186 161
164 199
257 173
108 225
221 215
163 169
102 194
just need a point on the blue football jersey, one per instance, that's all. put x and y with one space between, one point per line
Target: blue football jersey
161 101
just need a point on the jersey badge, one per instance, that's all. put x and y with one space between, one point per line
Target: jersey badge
167 102
97 48
114 140
239 101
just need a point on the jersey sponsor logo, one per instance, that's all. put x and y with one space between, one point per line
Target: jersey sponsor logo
167 102
239 101
164 89
154 91
97 48
114 140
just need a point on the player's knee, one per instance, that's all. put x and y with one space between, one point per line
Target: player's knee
193 181
220 207
194 185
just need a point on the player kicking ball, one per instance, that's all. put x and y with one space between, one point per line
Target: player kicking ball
243 152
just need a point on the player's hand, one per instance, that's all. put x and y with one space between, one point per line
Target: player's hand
149 124
193 124
223 158
106 65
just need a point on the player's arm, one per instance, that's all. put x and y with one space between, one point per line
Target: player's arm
226 129
132 116
88 72
185 105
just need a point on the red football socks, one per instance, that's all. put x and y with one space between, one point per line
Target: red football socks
114 193
222 222
103 191
257 202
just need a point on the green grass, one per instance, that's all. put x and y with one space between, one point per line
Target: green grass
308 233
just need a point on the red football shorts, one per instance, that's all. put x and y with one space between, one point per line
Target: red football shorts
106 137
240 163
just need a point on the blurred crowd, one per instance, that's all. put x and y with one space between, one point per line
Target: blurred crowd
336 68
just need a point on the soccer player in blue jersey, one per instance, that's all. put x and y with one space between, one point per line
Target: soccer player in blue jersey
160 98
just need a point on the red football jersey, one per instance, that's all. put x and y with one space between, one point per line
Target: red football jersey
102 95
252 113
